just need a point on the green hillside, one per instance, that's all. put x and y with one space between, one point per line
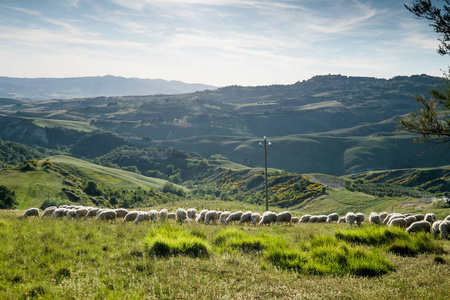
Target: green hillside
63 178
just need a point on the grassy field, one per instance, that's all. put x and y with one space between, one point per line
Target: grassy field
62 259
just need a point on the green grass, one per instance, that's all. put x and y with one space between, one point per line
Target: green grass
61 259
73 125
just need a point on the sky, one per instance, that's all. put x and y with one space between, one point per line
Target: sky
215 42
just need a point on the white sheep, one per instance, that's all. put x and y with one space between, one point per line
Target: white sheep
305 218
234 217
321 218
399 222
255 217
341 220
393 216
333 217
430 217
91 213
447 218
171 216
444 228
81 213
350 218
211 216
181 215
295 220
70 213
201 216
131 216
435 228
313 219
191 213
107 214
284 217
219 213
153 215
143 216
246 217
59 212
48 211
419 217
224 216
31 212
268 217
410 220
417 226
359 218
374 218
121 212
163 214
383 215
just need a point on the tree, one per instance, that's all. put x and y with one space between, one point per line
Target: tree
432 121
7 198
439 15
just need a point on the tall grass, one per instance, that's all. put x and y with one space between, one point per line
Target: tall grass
62 259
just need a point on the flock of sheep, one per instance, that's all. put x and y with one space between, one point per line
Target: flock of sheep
412 222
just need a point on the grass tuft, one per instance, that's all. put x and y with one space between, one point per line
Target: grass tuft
169 240
235 239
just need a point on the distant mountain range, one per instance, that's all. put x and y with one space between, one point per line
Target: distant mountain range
79 87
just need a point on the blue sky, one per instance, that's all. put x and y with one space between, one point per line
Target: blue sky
217 42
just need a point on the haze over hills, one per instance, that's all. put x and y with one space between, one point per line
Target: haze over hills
65 88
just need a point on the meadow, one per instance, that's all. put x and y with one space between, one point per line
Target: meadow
62 259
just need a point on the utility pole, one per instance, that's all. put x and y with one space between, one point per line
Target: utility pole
265 144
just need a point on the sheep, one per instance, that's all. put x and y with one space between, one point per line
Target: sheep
321 218
224 216
383 215
417 226
313 219
305 218
350 218
295 220
435 228
121 212
419 217
31 212
333 217
268 217
447 218
143 216
374 218
430 217
410 220
444 228
359 218
234 217
400 222
153 215
392 216
191 212
81 212
211 216
246 217
58 213
201 216
219 213
284 217
163 214
131 216
71 213
171 216
255 217
48 211
181 215
91 213
107 214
